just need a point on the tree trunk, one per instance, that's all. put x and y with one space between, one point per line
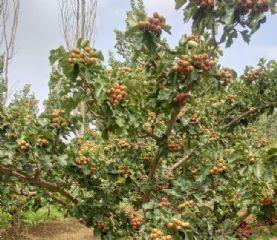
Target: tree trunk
82 28
5 80
16 222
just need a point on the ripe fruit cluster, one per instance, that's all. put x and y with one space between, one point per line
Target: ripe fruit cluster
41 142
183 66
123 170
117 93
251 158
86 55
252 6
93 170
266 201
122 143
181 98
102 227
23 145
135 221
206 4
203 61
195 38
157 234
243 230
188 203
225 76
83 160
193 120
57 120
147 157
219 168
154 24
164 202
87 147
125 70
253 75
175 146
177 224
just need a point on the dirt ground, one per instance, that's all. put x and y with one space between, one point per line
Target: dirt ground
65 230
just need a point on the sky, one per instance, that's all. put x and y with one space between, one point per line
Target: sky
39 31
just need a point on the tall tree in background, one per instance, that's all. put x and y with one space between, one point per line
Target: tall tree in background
9 14
78 22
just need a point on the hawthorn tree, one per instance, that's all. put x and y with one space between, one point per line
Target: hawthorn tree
172 150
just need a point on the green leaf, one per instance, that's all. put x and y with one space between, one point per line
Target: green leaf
245 35
120 122
179 3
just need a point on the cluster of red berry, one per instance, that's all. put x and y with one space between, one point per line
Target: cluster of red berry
203 61
125 70
154 24
266 201
86 55
219 168
243 230
117 93
57 120
164 202
193 120
252 6
206 4
252 75
175 146
23 145
123 170
181 98
183 66
188 203
93 170
147 157
135 221
82 160
195 38
157 234
41 142
178 224
122 143
225 76
102 227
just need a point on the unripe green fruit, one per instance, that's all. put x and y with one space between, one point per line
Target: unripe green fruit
193 44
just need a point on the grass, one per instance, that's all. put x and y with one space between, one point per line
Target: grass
43 215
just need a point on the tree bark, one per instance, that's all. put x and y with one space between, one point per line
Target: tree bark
37 182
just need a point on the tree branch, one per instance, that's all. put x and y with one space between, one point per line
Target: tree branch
176 165
251 111
37 182
154 164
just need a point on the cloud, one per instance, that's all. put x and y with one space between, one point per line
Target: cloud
269 52
163 6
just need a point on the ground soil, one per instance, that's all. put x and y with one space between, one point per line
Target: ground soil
65 230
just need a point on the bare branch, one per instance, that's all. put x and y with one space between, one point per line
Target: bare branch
9 15
78 19
179 163
248 113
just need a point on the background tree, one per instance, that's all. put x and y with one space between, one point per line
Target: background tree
78 22
8 23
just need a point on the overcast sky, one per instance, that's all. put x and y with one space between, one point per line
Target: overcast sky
39 31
